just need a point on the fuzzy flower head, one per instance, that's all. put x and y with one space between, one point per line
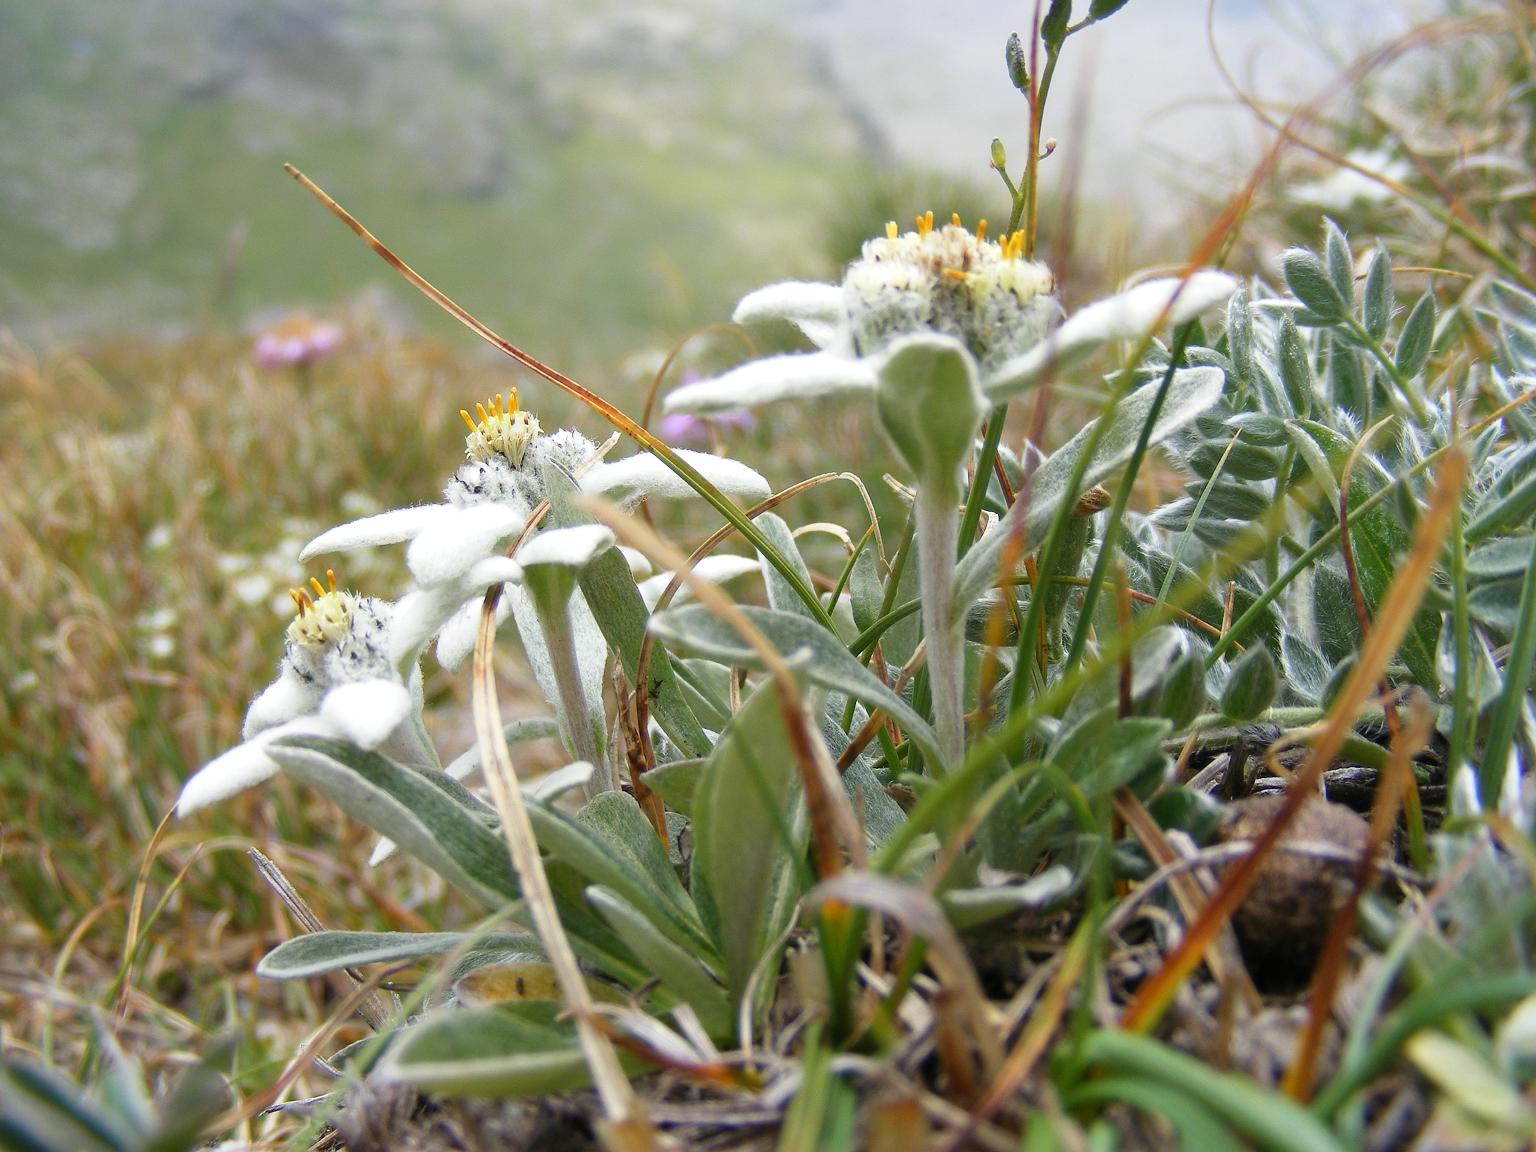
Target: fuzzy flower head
503 429
324 618
336 679
952 281
504 453
336 637
980 296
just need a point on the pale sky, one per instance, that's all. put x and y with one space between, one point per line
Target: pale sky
1159 112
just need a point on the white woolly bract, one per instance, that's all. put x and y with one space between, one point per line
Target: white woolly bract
635 478
814 308
458 538
715 569
366 712
1126 316
568 547
772 380
384 528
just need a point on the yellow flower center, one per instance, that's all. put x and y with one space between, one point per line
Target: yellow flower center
947 279
323 618
501 430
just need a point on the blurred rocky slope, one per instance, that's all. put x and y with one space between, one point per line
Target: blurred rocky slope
584 174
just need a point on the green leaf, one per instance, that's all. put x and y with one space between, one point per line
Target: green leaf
1346 379
676 782
1510 501
1306 672
515 1049
1102 756
1309 282
1341 262
1268 1118
1252 686
1053 28
743 872
321 952
971 907
1240 335
1193 1125
199 1097
1497 603
930 403
1504 556
864 589
1379 300
813 651
1295 367
781 595
43 1111
1417 338
1103 9
610 591
1378 539
611 843
1192 391
1182 697
678 969
401 804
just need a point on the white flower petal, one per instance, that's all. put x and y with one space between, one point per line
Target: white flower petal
639 565
715 569
367 711
384 528
418 617
814 308
553 785
243 766
457 538
1126 316
776 378
569 547
286 698
642 476
457 639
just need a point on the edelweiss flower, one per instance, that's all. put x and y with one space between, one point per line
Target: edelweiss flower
336 678
488 500
492 494
980 293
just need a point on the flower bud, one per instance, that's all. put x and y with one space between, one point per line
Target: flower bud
999 155
1018 63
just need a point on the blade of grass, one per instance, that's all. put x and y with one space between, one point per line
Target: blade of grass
1512 700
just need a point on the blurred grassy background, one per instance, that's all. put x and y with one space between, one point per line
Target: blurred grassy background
594 180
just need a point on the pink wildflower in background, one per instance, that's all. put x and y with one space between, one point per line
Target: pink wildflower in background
296 340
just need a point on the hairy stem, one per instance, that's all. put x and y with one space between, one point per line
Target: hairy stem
938 532
561 645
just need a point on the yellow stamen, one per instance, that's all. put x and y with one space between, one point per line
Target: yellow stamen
317 586
891 231
981 229
330 578
954 218
300 601
481 412
468 419
925 223
956 274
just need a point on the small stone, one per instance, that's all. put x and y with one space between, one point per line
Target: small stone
1282 922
